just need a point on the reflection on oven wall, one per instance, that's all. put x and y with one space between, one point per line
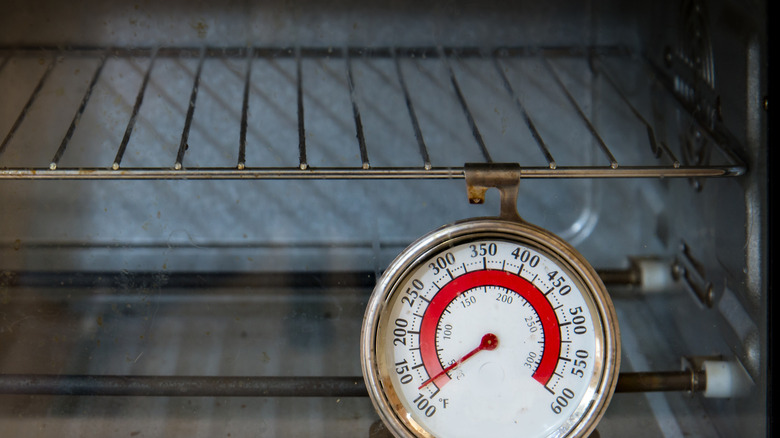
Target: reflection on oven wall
711 52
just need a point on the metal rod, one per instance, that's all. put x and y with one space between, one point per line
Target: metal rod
662 381
654 145
139 99
83 106
675 161
183 386
516 97
356 113
251 386
412 115
28 105
200 280
612 161
245 111
183 146
186 282
472 124
373 173
625 277
301 128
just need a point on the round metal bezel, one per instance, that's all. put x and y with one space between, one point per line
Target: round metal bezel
602 385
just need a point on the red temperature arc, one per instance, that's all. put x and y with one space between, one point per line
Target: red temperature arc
490 277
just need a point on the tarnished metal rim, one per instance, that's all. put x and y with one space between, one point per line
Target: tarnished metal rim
605 376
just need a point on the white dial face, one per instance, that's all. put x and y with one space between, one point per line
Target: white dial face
490 338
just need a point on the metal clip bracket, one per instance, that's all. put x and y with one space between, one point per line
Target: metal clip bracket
503 176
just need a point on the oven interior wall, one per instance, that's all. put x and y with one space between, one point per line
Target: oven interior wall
267 277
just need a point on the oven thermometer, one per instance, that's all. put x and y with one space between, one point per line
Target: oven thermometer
490 327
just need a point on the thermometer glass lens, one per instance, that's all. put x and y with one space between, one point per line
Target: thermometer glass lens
490 337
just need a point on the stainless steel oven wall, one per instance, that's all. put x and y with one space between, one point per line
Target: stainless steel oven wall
715 53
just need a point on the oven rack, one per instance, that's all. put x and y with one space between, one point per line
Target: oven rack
178 289
590 155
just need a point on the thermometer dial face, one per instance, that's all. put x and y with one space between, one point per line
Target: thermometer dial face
490 328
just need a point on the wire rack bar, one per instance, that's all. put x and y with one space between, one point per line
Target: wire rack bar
28 105
373 173
184 283
245 111
183 386
253 386
356 114
657 147
466 111
61 150
303 164
136 107
612 161
721 137
531 127
665 147
412 116
183 146
189 283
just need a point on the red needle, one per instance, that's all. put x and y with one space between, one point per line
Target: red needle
489 342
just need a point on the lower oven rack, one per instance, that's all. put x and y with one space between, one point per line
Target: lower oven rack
527 87
198 289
